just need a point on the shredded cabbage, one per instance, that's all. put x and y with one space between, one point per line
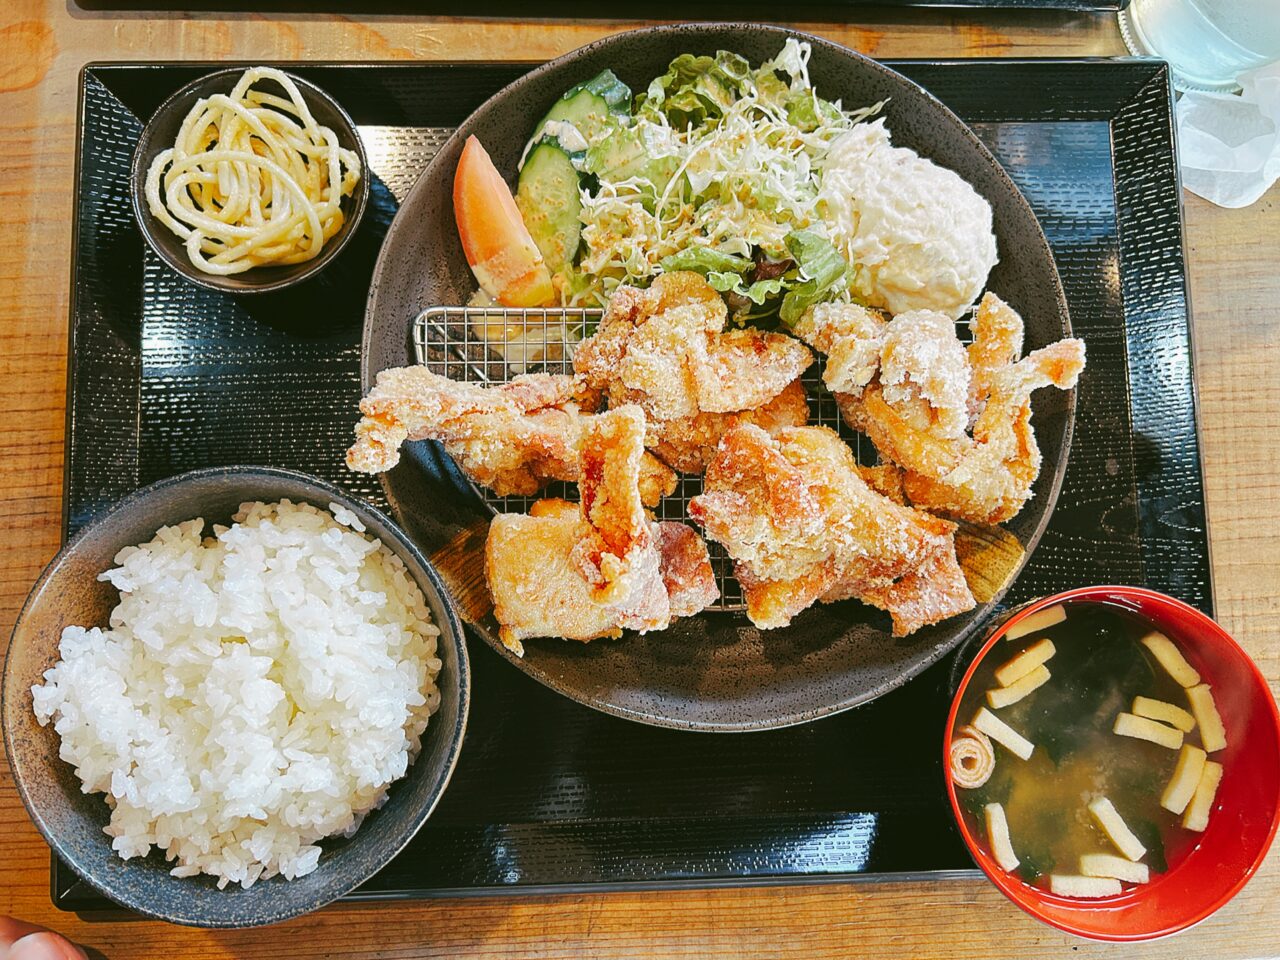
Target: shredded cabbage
717 171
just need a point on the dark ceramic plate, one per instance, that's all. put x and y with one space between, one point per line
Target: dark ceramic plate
159 135
68 592
714 671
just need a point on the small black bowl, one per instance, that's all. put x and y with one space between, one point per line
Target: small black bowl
68 592
161 131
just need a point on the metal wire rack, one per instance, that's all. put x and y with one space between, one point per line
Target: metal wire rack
493 344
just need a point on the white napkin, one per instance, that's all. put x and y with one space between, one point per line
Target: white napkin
1228 145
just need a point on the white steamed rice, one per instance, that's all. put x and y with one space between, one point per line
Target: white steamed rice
255 691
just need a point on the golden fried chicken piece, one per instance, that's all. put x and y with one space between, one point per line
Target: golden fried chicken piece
596 568
686 569
762 507
851 337
876 540
924 372
620 558
997 342
918 599
537 588
917 407
886 480
412 403
665 349
926 388
905 438
512 437
745 369
994 476
689 443
802 525
775 603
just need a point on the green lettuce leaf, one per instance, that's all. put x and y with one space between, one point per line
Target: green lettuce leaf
821 268
706 260
696 89
771 88
724 281
808 111
759 293
819 272
764 290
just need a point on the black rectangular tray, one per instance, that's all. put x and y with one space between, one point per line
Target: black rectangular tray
549 795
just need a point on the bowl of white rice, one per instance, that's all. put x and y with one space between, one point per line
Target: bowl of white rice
234 697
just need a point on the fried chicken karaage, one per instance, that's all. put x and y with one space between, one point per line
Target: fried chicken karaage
997 342
589 570
801 524
666 349
994 476
511 437
956 420
689 443
801 520
924 371
850 337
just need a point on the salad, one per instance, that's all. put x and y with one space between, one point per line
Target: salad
780 198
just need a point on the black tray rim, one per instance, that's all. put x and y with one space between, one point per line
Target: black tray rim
64 899
1185 272
110 911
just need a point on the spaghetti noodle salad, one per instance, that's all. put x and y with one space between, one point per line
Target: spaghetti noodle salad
252 179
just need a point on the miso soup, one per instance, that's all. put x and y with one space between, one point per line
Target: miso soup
1104 740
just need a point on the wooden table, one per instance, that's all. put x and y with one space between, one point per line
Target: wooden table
1235 281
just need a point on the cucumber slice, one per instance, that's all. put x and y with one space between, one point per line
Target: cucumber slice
549 201
592 107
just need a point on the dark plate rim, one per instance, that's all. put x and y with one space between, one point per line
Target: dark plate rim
976 618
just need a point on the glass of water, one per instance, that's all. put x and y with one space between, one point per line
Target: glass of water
1208 43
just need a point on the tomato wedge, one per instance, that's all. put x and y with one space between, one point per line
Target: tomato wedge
499 250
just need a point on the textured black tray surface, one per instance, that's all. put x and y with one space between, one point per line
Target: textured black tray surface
548 794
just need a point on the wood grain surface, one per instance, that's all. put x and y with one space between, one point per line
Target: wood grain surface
1235 281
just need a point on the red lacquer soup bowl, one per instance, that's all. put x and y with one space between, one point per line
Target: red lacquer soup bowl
1246 808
